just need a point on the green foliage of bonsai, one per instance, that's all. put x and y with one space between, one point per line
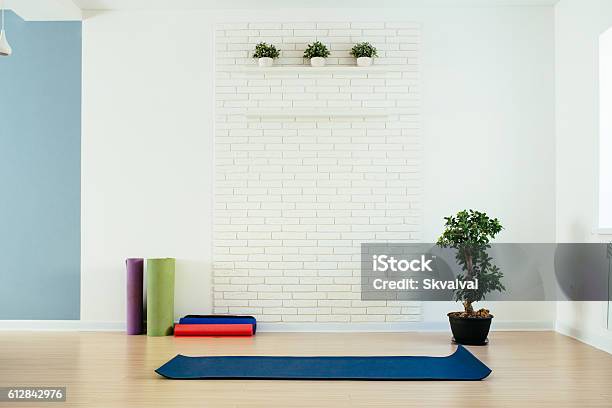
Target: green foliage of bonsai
265 50
316 49
470 233
364 49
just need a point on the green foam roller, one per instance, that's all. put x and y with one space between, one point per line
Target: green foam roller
160 296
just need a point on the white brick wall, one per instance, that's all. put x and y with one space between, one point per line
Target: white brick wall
296 196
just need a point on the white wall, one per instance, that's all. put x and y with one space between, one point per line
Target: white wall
146 155
578 26
487 131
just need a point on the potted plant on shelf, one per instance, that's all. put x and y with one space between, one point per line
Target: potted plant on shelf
265 54
470 233
316 52
364 52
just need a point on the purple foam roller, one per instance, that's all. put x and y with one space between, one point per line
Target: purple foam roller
135 273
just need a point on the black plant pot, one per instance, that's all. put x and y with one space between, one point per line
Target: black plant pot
470 330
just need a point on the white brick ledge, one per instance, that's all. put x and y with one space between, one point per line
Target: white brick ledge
326 69
343 113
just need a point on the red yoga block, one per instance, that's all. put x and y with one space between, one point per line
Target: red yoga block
181 330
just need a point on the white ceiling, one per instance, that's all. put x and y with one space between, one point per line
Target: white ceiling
247 4
44 10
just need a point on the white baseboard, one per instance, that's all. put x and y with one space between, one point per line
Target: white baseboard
523 325
60 325
601 339
441 326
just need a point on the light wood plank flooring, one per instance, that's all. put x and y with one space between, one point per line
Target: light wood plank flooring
530 369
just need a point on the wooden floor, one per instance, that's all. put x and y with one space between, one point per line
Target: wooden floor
530 369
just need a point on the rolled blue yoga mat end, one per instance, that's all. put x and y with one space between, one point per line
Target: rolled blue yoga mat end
219 319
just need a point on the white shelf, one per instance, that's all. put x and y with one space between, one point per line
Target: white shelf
319 112
327 68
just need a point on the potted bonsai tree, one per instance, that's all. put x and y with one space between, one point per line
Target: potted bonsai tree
265 54
470 232
316 52
364 52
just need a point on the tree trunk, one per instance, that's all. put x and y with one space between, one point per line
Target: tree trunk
468 264
467 306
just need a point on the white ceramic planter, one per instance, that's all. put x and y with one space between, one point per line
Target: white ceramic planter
364 61
317 62
265 62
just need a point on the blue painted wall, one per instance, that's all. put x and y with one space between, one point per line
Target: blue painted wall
40 170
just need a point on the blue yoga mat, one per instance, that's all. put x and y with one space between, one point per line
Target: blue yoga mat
211 319
461 366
